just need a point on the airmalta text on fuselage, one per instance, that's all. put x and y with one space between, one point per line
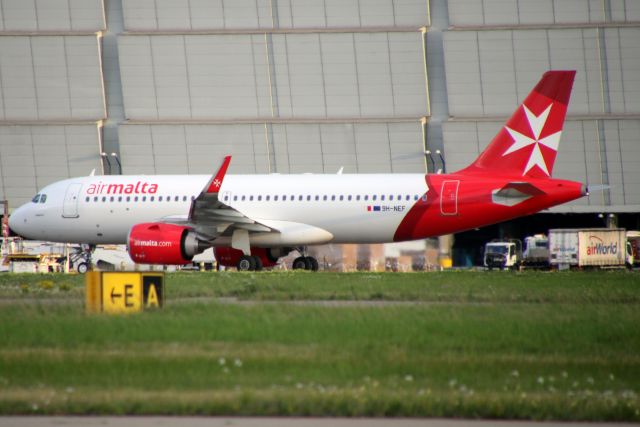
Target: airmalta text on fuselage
139 187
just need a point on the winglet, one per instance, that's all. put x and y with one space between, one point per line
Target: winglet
216 181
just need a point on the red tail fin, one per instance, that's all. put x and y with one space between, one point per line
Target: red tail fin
528 143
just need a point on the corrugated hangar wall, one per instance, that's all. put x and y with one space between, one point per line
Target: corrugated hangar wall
495 50
283 86
309 86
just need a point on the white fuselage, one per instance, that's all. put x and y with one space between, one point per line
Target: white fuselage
102 209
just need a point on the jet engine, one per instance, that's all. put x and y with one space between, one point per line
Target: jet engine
159 243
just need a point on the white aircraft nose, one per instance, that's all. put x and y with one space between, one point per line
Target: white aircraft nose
18 220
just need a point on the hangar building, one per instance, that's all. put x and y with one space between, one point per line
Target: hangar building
170 86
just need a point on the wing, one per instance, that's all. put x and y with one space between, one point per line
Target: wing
210 217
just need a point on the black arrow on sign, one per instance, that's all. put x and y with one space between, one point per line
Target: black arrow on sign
114 295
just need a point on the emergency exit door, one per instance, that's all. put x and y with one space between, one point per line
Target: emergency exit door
449 198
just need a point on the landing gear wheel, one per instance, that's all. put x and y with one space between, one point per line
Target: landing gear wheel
82 268
258 263
301 263
246 263
313 263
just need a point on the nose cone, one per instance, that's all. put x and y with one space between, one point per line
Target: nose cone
18 221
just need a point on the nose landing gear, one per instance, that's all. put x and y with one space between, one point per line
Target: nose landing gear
80 259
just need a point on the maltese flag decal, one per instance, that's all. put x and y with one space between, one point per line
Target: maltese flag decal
534 143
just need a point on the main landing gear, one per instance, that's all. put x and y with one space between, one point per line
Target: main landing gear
305 262
249 263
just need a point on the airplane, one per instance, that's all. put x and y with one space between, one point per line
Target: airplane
253 220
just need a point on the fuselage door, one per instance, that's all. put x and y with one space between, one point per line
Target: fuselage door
70 205
449 198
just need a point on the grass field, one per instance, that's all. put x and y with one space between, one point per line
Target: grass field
493 345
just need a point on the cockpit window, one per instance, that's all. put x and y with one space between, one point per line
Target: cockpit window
36 198
43 198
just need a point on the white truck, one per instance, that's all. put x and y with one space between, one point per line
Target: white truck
536 251
503 254
589 247
508 253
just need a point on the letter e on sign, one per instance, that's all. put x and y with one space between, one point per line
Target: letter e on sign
121 292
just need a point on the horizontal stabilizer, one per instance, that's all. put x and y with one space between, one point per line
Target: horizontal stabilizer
516 189
514 193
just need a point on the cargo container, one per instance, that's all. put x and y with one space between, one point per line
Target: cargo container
598 247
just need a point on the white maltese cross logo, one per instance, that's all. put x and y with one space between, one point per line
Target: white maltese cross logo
520 141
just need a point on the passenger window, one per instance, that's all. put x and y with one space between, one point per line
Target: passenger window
128 198
87 199
424 197
366 197
184 198
408 197
341 197
259 198
104 199
324 197
243 197
308 198
111 199
275 198
135 199
151 198
391 197
95 199
415 197
159 198
374 197
251 198
144 198
119 198
300 198
317 198
333 198
358 197
43 198
177 198
36 198
381 197
266 198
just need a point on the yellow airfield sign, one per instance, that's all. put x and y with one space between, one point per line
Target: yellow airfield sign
123 292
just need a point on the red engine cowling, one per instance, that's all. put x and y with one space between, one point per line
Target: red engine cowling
229 257
159 243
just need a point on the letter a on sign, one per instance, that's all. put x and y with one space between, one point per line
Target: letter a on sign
152 297
153 290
